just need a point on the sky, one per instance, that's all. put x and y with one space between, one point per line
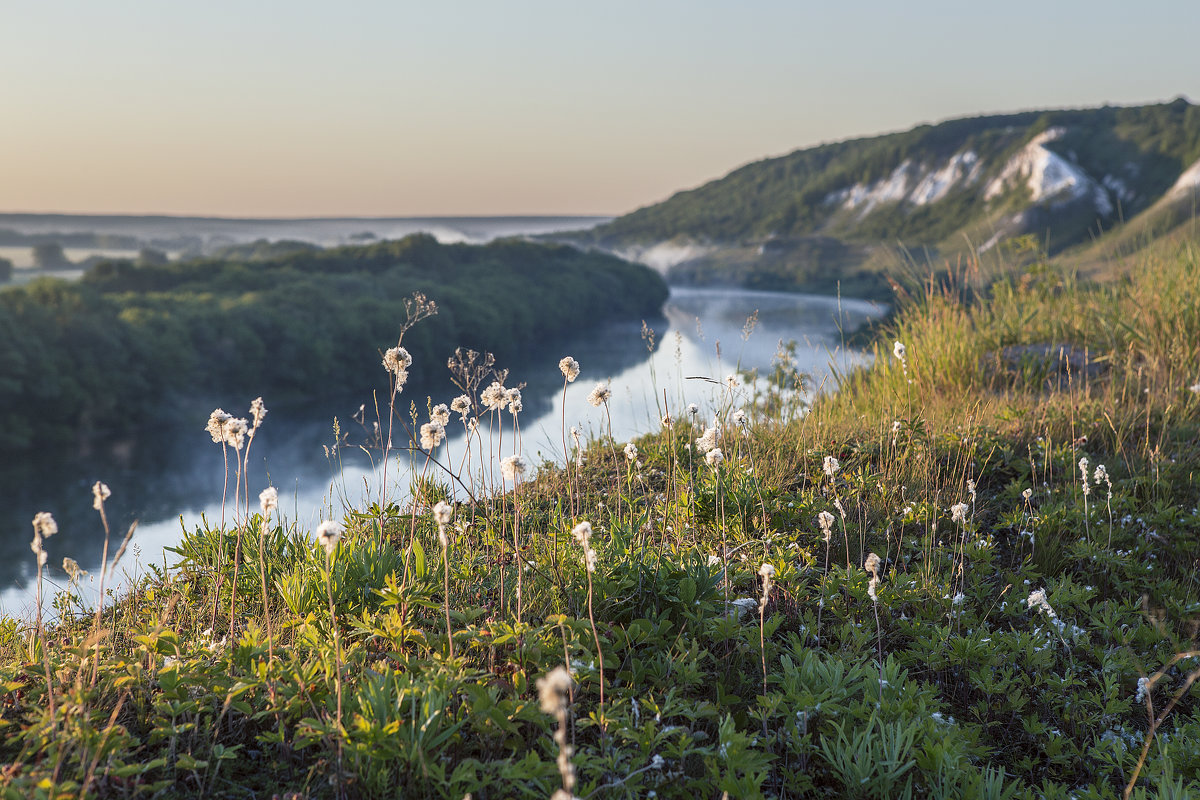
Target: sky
399 108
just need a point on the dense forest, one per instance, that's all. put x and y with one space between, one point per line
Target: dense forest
131 343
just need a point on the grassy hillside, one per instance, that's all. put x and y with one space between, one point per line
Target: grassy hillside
971 572
927 189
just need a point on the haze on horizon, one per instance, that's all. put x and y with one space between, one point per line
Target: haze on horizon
385 109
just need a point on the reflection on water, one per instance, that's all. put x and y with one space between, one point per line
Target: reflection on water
180 472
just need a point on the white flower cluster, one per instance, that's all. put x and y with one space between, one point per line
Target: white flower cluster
825 520
432 434
397 361
569 368
268 500
631 452
872 566
461 405
329 533
831 466
958 513
767 571
583 535
494 397
513 468
100 493
599 395
1083 468
44 527
443 512
708 440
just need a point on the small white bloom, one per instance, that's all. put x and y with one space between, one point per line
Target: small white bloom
1037 600
268 500
100 493
569 368
693 409
958 512
44 525
900 351
1028 493
397 361
235 432
258 412
494 397
767 571
631 452
872 563
872 586
825 520
513 468
432 434
329 533
831 466
443 512
714 457
216 425
1143 688
739 419
440 414
461 405
599 395
515 406
553 688
731 381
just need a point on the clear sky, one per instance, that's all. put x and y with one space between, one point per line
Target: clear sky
561 107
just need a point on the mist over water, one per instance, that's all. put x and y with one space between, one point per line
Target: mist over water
176 473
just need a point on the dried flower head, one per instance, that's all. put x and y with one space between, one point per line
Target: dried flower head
739 419
767 571
569 368
1037 600
513 468
667 422
631 452
583 535
958 512
971 490
872 563
825 520
432 434
71 567
100 493
693 409
235 432
258 412
268 500
553 689
462 405
443 512
494 397
831 466
872 587
708 440
397 361
732 382
44 525
216 425
714 457
329 533
896 426
1028 493
900 351
599 395
1083 469
440 414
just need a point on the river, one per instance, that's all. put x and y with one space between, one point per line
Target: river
171 479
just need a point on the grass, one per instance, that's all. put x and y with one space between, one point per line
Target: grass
688 676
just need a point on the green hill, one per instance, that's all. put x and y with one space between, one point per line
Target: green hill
839 212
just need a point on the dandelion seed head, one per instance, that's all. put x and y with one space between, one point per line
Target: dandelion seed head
268 500
216 425
44 525
599 395
513 468
100 493
831 466
714 457
462 405
569 368
258 412
432 434
329 533
693 409
440 414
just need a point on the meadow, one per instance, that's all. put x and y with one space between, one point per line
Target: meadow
971 571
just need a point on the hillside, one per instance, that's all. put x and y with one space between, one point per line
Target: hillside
840 212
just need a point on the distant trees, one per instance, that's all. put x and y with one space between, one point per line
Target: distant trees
150 257
49 255
6 270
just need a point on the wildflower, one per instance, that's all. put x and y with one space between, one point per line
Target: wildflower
442 514
440 414
432 434
872 585
494 397
599 395
1194 388
461 404
739 419
971 490
693 409
831 466
235 432
216 425
631 452
514 401
583 535
1143 689
1028 493
258 412
959 599
1037 600
666 421
1101 476
71 567
767 571
837 503
900 351
44 524
825 520
513 468
329 533
1083 468
268 500
100 493
896 426
714 457
553 688
397 361
569 368
657 762
708 440
958 512
731 380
